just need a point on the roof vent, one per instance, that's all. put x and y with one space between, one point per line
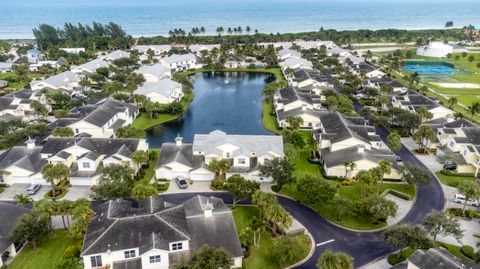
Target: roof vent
178 140
208 209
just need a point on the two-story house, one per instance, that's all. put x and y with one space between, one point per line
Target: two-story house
311 80
198 49
67 81
411 101
154 73
154 234
17 105
286 53
164 91
9 214
379 82
365 70
156 49
344 139
85 157
245 152
295 63
89 67
99 120
179 62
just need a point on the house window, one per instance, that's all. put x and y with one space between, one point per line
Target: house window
129 254
241 161
86 165
155 259
96 261
77 131
452 144
227 154
177 246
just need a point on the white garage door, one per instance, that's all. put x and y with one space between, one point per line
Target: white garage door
81 181
19 180
180 174
201 177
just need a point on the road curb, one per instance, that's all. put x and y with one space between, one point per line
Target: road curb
309 256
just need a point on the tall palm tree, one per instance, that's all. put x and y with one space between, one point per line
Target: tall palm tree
366 181
386 168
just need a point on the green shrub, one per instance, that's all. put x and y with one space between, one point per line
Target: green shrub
468 251
396 193
216 185
71 251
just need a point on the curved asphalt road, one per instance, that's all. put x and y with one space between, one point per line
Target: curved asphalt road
365 247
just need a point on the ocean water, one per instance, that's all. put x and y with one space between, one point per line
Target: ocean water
157 17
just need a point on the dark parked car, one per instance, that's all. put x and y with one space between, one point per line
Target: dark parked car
450 166
181 182
398 158
33 189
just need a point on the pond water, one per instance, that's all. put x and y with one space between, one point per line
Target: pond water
231 102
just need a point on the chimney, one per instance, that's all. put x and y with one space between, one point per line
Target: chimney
208 209
178 140
30 143
360 149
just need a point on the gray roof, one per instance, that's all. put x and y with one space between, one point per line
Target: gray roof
438 259
62 79
170 152
286 51
282 115
4 65
163 87
417 100
291 94
9 214
94 64
152 223
292 61
117 54
337 127
305 74
247 144
384 81
107 110
174 58
338 157
155 69
472 136
362 67
22 157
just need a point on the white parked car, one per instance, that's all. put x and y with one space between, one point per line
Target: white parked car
460 199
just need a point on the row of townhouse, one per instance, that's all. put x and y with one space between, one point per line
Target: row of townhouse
412 101
98 120
85 156
16 105
191 160
340 139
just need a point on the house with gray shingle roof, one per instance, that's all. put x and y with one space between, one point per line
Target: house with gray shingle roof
245 152
179 62
154 73
157 49
295 63
9 214
17 104
311 80
434 258
85 156
351 139
5 67
164 91
115 55
90 67
98 120
286 53
66 81
411 101
198 48
155 234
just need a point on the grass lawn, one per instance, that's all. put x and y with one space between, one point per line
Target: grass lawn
269 121
454 250
262 257
303 167
151 168
143 122
452 180
394 259
47 254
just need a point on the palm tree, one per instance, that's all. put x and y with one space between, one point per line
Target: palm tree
53 172
424 114
452 101
423 134
139 157
85 82
349 166
470 190
474 108
334 260
366 181
294 122
219 167
386 168
22 199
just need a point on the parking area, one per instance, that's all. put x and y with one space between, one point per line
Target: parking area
429 160
9 193
78 192
196 186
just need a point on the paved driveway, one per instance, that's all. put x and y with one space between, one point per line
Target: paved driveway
9 193
196 186
78 192
429 160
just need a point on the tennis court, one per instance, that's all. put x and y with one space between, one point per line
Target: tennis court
430 68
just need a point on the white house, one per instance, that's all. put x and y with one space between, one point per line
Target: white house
164 91
314 44
286 53
89 67
379 82
17 104
157 49
34 67
73 50
9 214
295 63
411 101
435 49
154 234
344 139
179 62
465 140
115 55
154 73
34 56
100 120
245 152
85 157
66 81
198 48
310 80
290 98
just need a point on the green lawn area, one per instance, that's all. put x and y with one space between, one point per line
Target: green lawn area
452 180
394 259
143 122
269 120
46 256
454 250
151 168
303 167
262 257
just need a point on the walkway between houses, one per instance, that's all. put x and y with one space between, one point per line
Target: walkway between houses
404 207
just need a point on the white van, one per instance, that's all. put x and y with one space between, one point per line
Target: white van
460 199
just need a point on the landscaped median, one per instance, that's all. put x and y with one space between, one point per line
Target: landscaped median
453 179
